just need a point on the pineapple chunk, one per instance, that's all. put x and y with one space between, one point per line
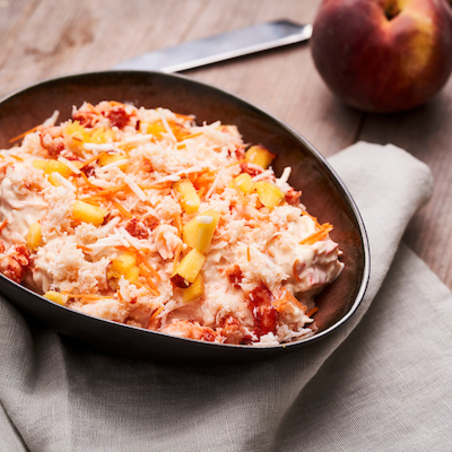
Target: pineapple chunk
124 265
55 166
82 135
52 166
53 180
269 194
243 182
76 130
193 292
198 232
188 196
88 213
34 236
189 268
106 159
132 275
259 156
39 163
56 297
156 129
124 262
100 136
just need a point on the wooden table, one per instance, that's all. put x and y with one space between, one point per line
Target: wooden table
47 38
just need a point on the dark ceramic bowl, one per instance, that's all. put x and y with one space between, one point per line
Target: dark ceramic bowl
323 193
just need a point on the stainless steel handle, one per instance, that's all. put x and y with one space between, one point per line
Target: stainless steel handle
221 47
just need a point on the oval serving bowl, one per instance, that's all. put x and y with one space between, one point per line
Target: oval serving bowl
323 193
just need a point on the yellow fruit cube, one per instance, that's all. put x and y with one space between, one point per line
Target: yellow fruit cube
198 232
52 166
56 297
156 129
100 135
132 275
193 292
189 268
39 163
55 166
243 182
74 129
259 156
124 262
269 194
88 213
54 180
34 236
188 196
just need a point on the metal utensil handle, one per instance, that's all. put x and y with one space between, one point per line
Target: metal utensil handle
221 47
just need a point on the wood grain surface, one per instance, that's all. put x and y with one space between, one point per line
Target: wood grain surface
47 38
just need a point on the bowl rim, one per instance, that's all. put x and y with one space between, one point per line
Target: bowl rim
364 281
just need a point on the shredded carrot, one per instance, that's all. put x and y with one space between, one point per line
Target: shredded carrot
22 135
155 314
105 193
84 248
121 299
177 257
125 212
93 159
143 261
312 311
318 235
19 159
85 178
178 222
314 219
235 163
248 254
193 135
112 190
280 304
147 276
4 224
143 286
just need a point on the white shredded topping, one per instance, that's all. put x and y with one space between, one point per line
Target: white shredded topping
204 219
135 188
63 181
263 175
99 146
166 125
52 120
125 243
285 174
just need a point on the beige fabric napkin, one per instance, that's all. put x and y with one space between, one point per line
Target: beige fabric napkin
381 383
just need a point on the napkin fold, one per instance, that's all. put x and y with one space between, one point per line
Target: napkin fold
381 382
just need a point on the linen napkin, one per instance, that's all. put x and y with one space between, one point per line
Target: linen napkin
380 383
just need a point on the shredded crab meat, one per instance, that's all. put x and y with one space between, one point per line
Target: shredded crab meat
143 217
